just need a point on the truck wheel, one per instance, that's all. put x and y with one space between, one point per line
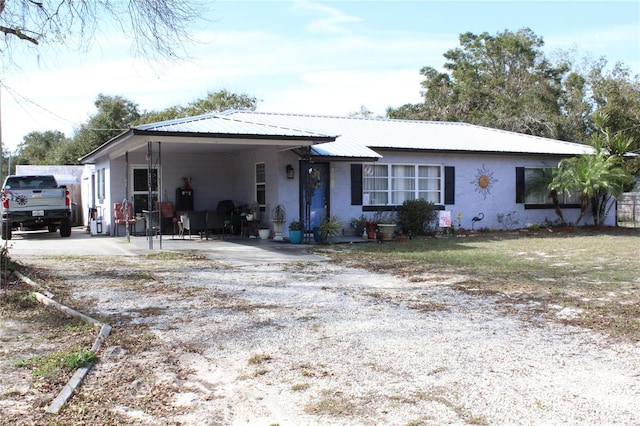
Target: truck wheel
52 228
65 228
6 231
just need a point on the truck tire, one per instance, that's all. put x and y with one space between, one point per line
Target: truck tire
65 228
6 231
52 228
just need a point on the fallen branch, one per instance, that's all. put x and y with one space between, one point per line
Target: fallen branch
77 377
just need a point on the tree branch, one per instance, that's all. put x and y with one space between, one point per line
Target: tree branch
18 34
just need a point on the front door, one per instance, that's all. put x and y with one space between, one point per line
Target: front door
316 194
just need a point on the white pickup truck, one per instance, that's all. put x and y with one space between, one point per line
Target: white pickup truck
35 202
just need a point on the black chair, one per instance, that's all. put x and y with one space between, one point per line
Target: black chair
194 222
216 222
231 210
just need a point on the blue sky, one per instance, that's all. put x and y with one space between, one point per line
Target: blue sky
316 57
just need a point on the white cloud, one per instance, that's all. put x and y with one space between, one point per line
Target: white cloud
330 19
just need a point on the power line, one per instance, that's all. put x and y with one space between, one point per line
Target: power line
20 100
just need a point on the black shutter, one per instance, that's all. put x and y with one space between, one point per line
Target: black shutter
519 184
449 185
356 184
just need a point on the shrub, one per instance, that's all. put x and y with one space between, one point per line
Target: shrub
329 228
414 216
296 225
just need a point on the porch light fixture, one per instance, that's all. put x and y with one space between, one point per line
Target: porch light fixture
289 171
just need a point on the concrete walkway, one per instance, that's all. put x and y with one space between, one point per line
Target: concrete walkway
233 250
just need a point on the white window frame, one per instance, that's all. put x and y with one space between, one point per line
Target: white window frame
402 182
101 190
261 184
145 191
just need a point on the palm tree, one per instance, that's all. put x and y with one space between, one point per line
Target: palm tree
597 178
539 182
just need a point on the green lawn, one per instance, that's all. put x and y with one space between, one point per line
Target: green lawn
596 272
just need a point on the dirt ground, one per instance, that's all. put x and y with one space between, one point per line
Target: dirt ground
306 342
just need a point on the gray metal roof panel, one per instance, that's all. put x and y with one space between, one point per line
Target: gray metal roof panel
221 124
354 134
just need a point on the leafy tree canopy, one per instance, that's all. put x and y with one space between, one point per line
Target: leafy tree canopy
212 103
506 82
116 114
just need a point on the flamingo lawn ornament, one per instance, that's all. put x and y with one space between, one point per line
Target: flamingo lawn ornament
476 219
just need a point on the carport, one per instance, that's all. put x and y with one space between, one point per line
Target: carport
219 157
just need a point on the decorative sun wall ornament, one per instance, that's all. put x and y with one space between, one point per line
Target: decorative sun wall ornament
483 181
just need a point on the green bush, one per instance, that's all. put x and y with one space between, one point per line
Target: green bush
414 216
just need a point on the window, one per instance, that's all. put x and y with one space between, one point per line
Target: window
528 178
101 190
261 184
141 188
394 184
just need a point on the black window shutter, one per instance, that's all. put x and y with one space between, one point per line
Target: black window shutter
449 185
356 184
519 184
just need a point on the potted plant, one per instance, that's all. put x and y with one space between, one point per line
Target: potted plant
278 217
358 223
330 228
255 211
264 232
386 224
371 227
296 232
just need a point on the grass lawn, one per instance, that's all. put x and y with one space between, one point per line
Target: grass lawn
594 275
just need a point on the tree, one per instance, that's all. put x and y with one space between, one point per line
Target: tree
115 115
574 123
501 81
212 103
598 178
539 183
617 95
157 28
40 147
364 112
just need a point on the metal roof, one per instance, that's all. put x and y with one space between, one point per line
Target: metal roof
226 125
359 136
331 136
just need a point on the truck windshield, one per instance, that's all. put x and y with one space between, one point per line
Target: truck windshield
31 182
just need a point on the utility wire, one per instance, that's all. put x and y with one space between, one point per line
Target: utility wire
20 100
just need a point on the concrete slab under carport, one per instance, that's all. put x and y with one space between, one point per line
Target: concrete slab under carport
232 250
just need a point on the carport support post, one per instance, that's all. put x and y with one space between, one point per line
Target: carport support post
149 194
126 196
160 200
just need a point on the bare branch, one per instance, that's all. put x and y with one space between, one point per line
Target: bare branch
18 34
156 28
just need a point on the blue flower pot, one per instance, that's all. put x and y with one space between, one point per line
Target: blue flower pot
295 236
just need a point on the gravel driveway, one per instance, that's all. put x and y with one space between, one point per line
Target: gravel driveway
290 339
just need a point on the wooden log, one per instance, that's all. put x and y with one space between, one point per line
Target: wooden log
66 310
77 377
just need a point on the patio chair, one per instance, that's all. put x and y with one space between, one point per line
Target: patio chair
231 211
194 222
121 218
167 217
216 222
